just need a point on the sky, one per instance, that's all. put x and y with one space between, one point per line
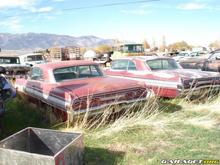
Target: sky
194 21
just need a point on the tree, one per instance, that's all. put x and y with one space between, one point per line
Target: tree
179 46
215 45
146 45
103 49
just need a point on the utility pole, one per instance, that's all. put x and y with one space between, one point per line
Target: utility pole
164 43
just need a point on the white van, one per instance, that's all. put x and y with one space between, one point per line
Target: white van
32 59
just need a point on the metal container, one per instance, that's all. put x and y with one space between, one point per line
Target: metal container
35 146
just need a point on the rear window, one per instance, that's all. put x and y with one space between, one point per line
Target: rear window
9 60
162 64
75 72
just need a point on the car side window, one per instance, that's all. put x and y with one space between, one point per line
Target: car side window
162 64
88 71
119 65
131 65
154 64
36 74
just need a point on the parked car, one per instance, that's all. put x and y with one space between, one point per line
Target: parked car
7 91
210 62
180 55
32 59
78 87
163 75
13 66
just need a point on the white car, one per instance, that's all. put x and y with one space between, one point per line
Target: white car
13 65
32 59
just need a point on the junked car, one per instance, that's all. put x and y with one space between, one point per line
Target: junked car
78 87
163 75
180 55
210 62
32 59
13 66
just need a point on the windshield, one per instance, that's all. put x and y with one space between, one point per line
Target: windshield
9 60
75 72
162 64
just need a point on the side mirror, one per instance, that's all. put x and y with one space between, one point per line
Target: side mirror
2 70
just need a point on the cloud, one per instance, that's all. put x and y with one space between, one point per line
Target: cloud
14 24
192 6
45 9
41 10
139 12
16 3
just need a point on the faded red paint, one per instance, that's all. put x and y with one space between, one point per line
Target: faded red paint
78 94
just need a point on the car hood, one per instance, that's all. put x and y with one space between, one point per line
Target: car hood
190 73
92 86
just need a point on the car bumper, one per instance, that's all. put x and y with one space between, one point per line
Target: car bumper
105 107
199 91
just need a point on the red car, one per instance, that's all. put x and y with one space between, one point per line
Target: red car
163 75
78 86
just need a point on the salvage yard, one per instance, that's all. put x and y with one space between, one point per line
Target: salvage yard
176 129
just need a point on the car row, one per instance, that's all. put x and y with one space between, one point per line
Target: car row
77 87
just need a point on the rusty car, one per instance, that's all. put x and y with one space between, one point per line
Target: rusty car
210 62
163 75
78 87
13 66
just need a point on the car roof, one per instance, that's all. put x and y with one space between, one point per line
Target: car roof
63 64
10 56
30 54
144 58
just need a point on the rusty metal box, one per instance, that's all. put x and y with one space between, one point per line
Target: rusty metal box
35 146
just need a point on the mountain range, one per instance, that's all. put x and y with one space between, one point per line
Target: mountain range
34 41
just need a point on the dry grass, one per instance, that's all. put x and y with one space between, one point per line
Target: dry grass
148 132
126 116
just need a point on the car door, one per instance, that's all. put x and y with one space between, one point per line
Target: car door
118 68
34 85
132 70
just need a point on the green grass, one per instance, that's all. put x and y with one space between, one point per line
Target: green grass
179 130
20 114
